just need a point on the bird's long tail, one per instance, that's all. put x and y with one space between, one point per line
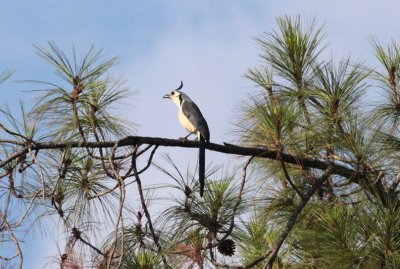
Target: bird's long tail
202 163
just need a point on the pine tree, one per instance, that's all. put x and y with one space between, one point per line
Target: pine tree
317 186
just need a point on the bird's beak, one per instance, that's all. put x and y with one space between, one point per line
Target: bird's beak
167 96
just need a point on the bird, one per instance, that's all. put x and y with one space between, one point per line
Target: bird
192 120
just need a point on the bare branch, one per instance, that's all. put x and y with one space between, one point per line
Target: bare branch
14 239
27 210
320 164
78 235
40 172
146 211
148 162
11 158
120 220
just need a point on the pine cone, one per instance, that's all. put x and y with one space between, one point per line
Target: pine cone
226 247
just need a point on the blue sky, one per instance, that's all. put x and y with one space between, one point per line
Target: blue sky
207 44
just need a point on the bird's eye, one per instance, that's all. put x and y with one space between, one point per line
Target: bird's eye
172 93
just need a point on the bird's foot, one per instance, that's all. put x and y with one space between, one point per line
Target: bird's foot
186 137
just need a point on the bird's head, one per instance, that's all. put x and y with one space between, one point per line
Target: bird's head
177 96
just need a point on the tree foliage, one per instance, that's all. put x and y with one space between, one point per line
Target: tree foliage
322 192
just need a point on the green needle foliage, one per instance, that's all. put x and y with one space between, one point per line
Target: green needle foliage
213 212
74 185
256 239
325 193
388 110
268 124
337 90
142 260
81 109
292 51
307 106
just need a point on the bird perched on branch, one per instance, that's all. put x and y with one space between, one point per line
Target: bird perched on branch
193 121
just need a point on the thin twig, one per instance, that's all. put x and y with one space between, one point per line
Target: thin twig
100 149
232 224
292 220
14 142
40 173
13 133
149 161
14 239
128 173
11 158
27 210
120 220
146 211
78 235
61 174
289 179
235 207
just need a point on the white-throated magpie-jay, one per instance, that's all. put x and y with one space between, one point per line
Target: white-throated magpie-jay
193 121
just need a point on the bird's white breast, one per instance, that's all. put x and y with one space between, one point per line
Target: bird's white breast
185 122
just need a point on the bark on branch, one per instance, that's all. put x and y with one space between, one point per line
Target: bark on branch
338 169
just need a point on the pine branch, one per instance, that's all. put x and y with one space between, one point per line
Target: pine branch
338 169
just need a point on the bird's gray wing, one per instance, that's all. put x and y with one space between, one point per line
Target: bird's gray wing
193 113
